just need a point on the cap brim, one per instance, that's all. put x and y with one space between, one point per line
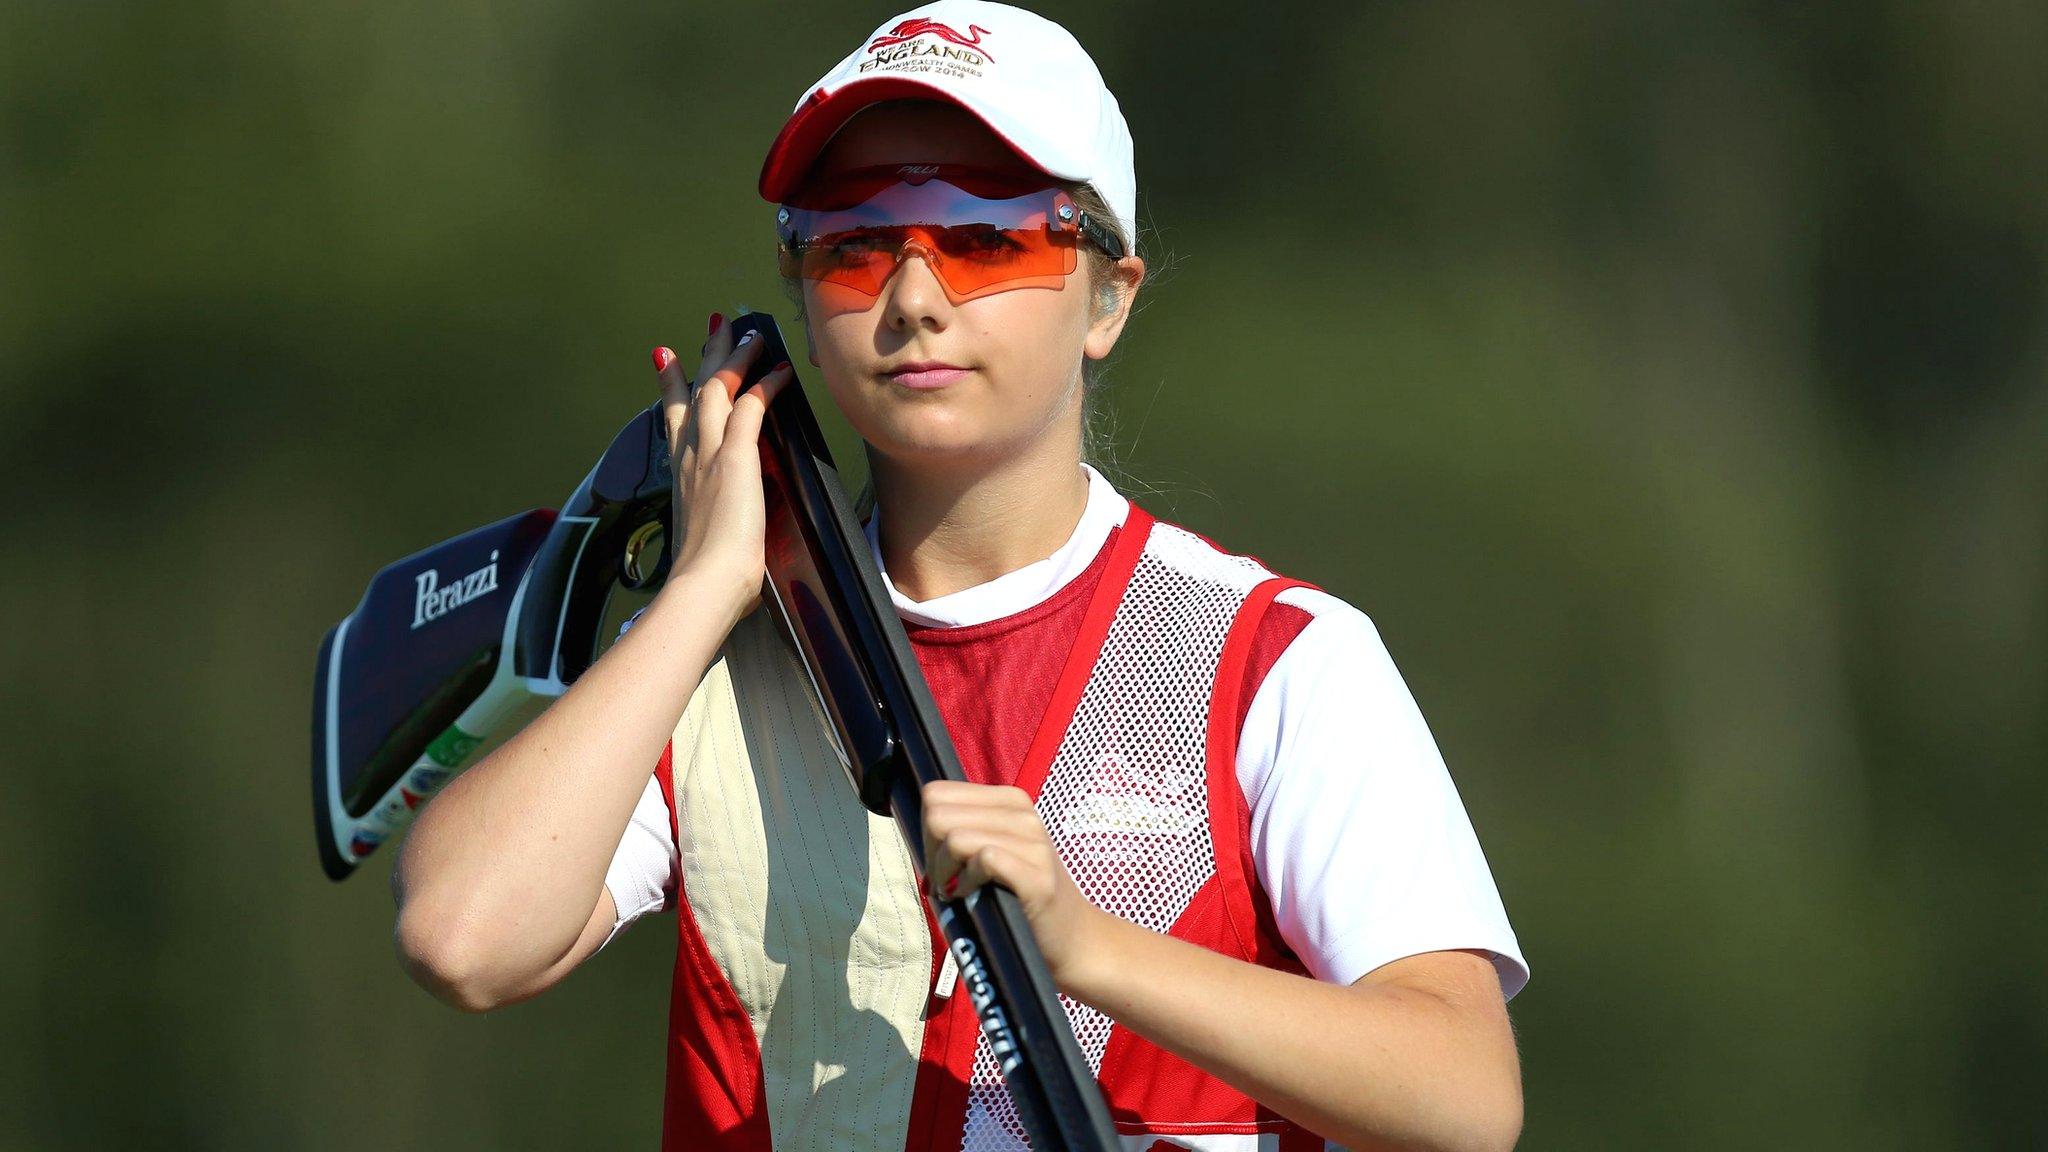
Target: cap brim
811 127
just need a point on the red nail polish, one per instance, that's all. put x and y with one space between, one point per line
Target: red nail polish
716 319
953 885
662 359
780 366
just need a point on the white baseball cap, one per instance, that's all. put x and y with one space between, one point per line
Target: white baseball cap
1024 76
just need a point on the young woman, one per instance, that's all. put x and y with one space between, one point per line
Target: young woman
1240 852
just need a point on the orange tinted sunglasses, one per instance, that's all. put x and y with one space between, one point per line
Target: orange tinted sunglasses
979 231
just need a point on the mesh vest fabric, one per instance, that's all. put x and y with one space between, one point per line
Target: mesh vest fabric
1134 778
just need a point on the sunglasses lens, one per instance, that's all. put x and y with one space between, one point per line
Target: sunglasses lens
978 233
859 259
975 260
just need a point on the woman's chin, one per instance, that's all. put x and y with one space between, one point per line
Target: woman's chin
921 438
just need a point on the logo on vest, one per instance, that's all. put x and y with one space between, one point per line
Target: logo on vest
1122 799
431 601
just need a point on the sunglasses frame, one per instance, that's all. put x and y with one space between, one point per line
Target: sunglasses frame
965 178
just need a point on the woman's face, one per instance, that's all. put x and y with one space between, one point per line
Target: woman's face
1022 347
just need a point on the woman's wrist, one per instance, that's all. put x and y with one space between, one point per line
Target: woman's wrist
1086 973
706 588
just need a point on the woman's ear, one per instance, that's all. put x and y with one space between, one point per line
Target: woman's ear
1127 274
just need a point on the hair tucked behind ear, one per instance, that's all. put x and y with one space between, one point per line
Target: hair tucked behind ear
1105 291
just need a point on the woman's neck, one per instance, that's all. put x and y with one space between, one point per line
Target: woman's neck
942 531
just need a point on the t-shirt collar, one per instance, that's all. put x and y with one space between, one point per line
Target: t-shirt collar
1013 592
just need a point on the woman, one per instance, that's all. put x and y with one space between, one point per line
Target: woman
1239 850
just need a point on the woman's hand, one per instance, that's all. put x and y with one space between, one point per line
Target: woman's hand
714 454
975 833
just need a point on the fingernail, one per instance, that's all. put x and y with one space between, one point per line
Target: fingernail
662 359
780 366
953 884
716 320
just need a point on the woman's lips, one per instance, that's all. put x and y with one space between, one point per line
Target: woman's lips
928 378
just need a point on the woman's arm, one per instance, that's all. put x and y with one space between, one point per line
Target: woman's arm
1417 1054
500 883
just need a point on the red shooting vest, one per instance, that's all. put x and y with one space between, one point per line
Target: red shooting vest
1116 705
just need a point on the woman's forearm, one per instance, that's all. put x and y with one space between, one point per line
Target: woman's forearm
1372 1066
500 873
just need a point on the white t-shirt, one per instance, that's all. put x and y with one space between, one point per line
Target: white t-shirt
1358 835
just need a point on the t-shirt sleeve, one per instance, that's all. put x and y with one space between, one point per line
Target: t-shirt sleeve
1359 836
641 876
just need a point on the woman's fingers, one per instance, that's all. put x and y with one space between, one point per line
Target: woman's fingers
717 345
713 406
675 411
721 353
669 371
961 868
978 834
1023 864
675 392
964 822
715 395
743 424
700 417
738 363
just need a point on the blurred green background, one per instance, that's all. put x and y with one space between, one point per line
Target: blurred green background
1666 381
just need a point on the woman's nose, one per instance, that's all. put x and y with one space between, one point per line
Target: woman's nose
914 291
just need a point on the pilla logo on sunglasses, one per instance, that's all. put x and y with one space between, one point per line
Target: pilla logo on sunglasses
904 49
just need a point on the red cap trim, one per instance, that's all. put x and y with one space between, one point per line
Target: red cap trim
807 131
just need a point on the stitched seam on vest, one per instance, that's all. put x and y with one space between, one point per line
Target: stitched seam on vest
836 1044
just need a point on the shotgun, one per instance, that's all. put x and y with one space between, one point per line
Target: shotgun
460 644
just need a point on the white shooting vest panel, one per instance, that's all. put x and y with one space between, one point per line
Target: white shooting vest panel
807 900
1126 797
